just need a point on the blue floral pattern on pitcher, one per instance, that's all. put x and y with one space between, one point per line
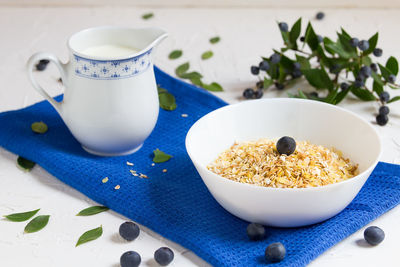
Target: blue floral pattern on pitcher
111 69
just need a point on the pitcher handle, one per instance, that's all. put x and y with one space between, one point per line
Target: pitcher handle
33 60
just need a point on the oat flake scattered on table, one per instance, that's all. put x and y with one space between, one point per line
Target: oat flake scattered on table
259 163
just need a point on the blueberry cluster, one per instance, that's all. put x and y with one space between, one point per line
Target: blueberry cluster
338 67
266 65
130 231
382 117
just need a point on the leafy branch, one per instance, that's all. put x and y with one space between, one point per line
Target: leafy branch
333 68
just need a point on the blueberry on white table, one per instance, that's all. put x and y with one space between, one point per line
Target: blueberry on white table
374 235
129 231
320 15
130 259
164 256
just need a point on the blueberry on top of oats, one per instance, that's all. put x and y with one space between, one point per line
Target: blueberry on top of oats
286 145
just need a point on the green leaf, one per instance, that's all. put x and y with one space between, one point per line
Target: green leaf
25 164
366 60
285 62
302 95
304 62
378 88
20 217
267 83
92 210
396 98
285 37
344 43
336 47
372 44
207 55
392 65
167 101
363 94
191 75
39 127
215 39
175 54
273 71
385 72
90 235
331 97
318 78
197 81
181 69
160 89
282 74
327 44
377 78
340 96
147 16
214 87
37 224
345 34
311 38
295 31
160 156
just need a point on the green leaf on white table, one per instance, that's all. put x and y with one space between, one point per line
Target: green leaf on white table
175 54
147 16
90 235
214 87
92 210
160 156
39 127
167 100
392 65
197 81
215 39
22 216
25 164
37 224
191 75
181 69
207 55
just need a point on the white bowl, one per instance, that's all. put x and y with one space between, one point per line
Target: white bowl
312 121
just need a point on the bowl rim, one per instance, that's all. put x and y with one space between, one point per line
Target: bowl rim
312 102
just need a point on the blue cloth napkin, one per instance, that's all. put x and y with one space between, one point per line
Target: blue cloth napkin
176 204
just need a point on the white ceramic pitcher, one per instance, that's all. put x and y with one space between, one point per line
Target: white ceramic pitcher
110 105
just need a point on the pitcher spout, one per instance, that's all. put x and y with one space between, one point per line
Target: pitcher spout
155 36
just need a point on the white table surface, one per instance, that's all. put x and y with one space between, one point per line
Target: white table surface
246 35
